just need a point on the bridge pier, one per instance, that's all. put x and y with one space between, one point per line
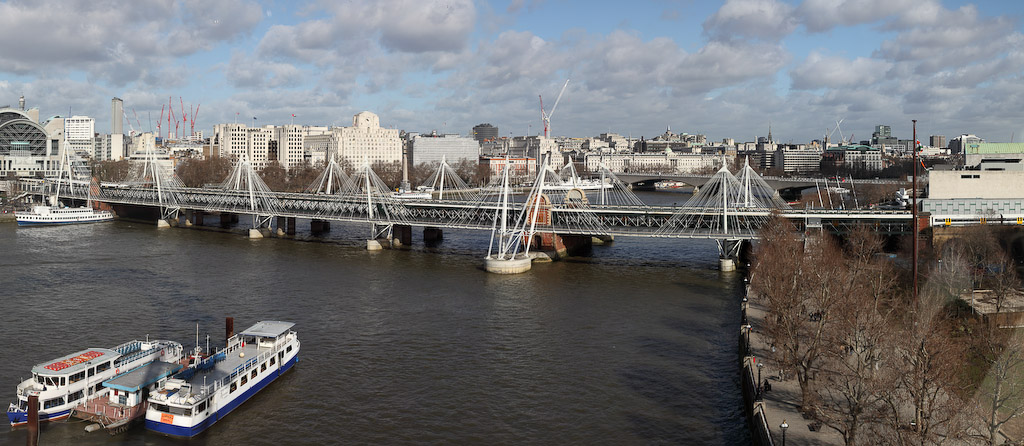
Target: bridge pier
602 239
285 226
401 235
432 235
728 254
577 244
227 219
318 227
549 241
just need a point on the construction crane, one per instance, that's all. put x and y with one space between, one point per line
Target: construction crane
546 117
137 120
129 121
830 132
194 114
159 132
170 118
184 117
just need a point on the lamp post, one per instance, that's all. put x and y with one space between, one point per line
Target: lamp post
783 426
747 328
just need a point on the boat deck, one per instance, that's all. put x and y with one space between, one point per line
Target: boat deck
225 368
107 413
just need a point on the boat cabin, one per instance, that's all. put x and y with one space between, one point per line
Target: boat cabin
132 388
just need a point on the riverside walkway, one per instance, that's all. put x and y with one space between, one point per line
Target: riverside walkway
782 402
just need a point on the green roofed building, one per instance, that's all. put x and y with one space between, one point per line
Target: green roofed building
993 153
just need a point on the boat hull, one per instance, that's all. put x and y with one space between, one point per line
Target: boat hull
21 418
172 430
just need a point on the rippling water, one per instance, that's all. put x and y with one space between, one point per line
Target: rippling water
634 344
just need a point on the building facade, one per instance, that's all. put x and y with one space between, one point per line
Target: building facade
485 132
26 149
449 147
667 162
80 133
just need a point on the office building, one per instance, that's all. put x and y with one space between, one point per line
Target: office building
431 149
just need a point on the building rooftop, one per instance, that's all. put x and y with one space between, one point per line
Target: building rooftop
268 329
984 148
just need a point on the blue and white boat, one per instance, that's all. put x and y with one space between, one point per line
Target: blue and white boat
63 383
205 392
60 215
55 213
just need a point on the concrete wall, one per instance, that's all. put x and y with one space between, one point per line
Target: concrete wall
984 184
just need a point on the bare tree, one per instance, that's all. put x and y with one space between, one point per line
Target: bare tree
929 364
196 172
302 176
800 286
112 170
1001 393
275 177
1003 279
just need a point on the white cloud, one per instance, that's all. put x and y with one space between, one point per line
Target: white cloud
762 19
819 71
114 42
823 15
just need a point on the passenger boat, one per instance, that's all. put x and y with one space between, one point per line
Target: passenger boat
58 215
205 392
669 184
55 213
64 383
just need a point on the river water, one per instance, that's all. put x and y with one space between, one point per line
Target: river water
635 343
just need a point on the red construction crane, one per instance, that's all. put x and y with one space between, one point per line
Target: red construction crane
184 117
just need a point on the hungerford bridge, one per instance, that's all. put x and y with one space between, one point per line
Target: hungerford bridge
561 211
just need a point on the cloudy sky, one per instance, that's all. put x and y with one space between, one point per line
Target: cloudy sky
724 69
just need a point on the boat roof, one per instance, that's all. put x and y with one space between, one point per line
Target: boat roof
139 377
75 362
268 329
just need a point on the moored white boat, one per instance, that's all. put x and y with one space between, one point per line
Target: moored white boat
65 382
205 392
58 215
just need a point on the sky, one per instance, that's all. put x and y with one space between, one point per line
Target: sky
723 69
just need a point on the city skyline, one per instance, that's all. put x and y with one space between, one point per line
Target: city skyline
723 70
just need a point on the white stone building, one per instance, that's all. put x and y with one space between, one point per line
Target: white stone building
450 147
667 162
80 131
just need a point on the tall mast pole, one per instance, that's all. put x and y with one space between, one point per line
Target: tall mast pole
913 229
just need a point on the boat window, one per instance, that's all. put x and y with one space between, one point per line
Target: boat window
160 407
50 380
272 359
75 396
263 367
63 380
244 380
49 404
98 387
234 386
289 349
254 373
77 377
92 371
103 367
202 407
39 379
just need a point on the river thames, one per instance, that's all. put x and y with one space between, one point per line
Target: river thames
635 343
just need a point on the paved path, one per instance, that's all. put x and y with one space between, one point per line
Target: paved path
782 402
